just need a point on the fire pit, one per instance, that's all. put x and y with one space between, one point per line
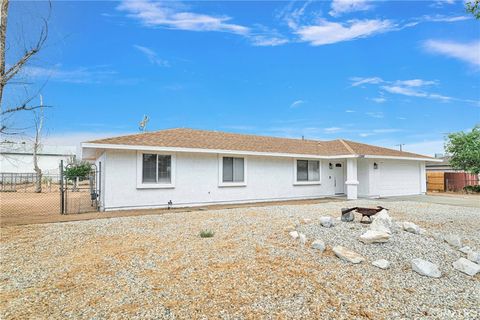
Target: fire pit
365 212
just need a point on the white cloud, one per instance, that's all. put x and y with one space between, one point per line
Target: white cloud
326 32
466 52
151 56
407 91
80 75
442 18
377 115
332 129
266 41
379 100
349 111
340 7
412 88
296 103
173 15
357 81
415 83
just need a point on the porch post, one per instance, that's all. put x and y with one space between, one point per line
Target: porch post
352 182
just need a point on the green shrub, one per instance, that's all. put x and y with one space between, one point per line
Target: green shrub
472 189
206 233
80 170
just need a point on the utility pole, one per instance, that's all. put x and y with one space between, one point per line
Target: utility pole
400 146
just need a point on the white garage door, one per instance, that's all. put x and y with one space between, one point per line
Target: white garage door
399 178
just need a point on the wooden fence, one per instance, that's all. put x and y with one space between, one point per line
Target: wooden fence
450 181
436 181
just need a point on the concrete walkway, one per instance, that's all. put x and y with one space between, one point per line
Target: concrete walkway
463 200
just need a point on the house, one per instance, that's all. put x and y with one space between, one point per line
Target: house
17 157
186 167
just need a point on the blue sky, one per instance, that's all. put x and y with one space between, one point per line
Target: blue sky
377 72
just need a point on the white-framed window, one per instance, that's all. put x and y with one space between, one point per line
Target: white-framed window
155 170
232 171
306 171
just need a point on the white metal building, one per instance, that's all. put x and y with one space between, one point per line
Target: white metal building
17 157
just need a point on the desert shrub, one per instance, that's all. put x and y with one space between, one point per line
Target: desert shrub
206 233
472 189
80 170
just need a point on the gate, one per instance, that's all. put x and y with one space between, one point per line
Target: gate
79 192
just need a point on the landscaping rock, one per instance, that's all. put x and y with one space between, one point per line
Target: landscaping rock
382 222
453 240
466 266
319 245
303 238
465 249
382 264
425 268
474 256
347 217
326 222
306 220
294 234
347 255
411 227
372 236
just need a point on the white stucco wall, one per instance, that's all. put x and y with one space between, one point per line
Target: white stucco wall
392 178
268 178
197 182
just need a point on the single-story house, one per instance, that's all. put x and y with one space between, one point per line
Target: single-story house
187 167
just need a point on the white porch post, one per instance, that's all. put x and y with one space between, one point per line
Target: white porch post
352 182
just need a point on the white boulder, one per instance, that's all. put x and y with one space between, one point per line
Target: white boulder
294 234
453 240
382 222
303 238
411 227
466 266
347 255
319 245
326 222
465 249
474 256
372 236
425 268
382 264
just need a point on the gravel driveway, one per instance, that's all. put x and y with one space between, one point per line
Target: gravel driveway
157 267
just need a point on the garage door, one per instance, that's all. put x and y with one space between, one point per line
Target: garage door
399 178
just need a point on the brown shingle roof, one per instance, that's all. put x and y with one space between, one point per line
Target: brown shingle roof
202 139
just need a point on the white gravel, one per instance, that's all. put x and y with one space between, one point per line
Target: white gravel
157 267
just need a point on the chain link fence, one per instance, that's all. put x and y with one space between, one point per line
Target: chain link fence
19 193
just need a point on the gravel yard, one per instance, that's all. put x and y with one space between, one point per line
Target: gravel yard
158 267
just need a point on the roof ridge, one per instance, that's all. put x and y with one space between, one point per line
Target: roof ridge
347 146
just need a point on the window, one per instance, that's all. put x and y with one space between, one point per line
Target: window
308 170
233 169
156 168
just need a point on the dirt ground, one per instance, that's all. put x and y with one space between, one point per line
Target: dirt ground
157 267
32 209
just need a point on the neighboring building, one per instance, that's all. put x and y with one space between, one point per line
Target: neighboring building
194 167
17 157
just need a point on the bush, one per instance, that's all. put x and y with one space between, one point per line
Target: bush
472 189
80 170
206 233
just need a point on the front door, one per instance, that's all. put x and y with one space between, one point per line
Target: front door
339 178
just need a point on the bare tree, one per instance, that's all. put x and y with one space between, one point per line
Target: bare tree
7 73
38 118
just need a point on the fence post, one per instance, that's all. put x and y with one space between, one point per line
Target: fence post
62 200
99 191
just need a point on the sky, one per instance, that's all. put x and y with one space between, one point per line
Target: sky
384 73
